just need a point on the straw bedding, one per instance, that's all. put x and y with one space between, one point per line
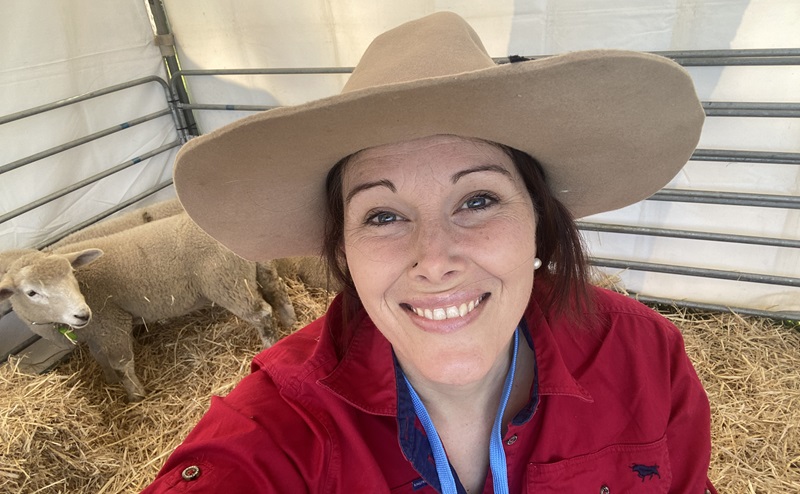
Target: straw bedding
68 432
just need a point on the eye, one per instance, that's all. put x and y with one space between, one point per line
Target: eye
479 201
31 293
381 218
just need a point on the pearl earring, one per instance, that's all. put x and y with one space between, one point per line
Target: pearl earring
537 263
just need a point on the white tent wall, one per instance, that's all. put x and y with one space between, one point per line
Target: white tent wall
54 50
334 33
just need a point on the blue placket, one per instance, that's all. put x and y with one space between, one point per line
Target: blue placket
497 455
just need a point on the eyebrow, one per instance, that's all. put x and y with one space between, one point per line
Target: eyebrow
454 179
482 168
369 185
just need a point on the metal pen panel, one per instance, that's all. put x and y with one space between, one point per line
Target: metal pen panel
715 109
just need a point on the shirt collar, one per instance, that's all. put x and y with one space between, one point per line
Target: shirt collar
555 377
366 376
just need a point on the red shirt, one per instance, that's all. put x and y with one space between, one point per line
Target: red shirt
617 409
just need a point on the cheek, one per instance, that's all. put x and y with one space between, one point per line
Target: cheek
374 263
506 246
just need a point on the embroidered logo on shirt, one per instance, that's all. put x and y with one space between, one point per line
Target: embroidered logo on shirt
645 471
418 484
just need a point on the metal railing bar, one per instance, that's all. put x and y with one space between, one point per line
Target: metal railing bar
757 52
750 105
22 346
751 109
737 61
178 74
265 71
753 113
697 272
686 234
727 198
83 140
103 215
746 156
184 106
77 99
83 183
777 315
710 57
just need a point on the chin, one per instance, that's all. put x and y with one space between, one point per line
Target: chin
455 372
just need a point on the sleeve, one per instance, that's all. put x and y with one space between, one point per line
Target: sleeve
250 441
689 428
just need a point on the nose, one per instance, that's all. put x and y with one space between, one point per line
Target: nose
83 315
437 252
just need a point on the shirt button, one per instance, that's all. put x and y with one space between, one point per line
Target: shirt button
604 490
190 473
512 440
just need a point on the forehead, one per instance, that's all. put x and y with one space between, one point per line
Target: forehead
47 271
441 153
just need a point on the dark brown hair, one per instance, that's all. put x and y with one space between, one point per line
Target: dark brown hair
562 281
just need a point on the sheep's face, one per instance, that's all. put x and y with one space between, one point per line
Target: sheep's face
45 290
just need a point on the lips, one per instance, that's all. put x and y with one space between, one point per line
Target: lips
449 312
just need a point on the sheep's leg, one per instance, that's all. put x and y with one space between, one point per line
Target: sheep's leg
109 374
256 312
111 345
237 290
275 293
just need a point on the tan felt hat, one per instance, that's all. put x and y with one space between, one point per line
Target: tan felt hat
609 127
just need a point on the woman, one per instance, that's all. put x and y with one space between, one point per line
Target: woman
467 351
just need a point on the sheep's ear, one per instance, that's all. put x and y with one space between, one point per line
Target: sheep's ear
6 288
84 257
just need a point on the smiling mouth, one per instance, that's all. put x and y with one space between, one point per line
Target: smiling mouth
452 312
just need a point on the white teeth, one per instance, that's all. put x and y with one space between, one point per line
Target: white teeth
440 314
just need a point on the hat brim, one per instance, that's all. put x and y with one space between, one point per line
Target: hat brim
609 127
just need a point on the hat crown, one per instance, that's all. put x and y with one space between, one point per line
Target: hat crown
441 44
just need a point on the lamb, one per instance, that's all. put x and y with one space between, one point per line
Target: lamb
311 270
158 270
124 221
105 227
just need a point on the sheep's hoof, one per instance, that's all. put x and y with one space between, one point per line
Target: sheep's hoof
287 316
135 398
267 341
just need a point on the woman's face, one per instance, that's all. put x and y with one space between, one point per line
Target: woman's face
439 237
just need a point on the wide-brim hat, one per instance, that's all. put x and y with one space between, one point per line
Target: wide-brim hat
609 127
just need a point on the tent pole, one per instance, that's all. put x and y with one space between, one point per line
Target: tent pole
187 125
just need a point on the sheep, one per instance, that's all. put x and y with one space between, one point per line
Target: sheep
102 228
310 270
158 270
129 219
6 258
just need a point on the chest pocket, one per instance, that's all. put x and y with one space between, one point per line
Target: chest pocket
616 469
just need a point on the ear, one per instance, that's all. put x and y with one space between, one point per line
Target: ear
84 257
6 288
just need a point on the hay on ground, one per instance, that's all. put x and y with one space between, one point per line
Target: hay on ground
69 432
